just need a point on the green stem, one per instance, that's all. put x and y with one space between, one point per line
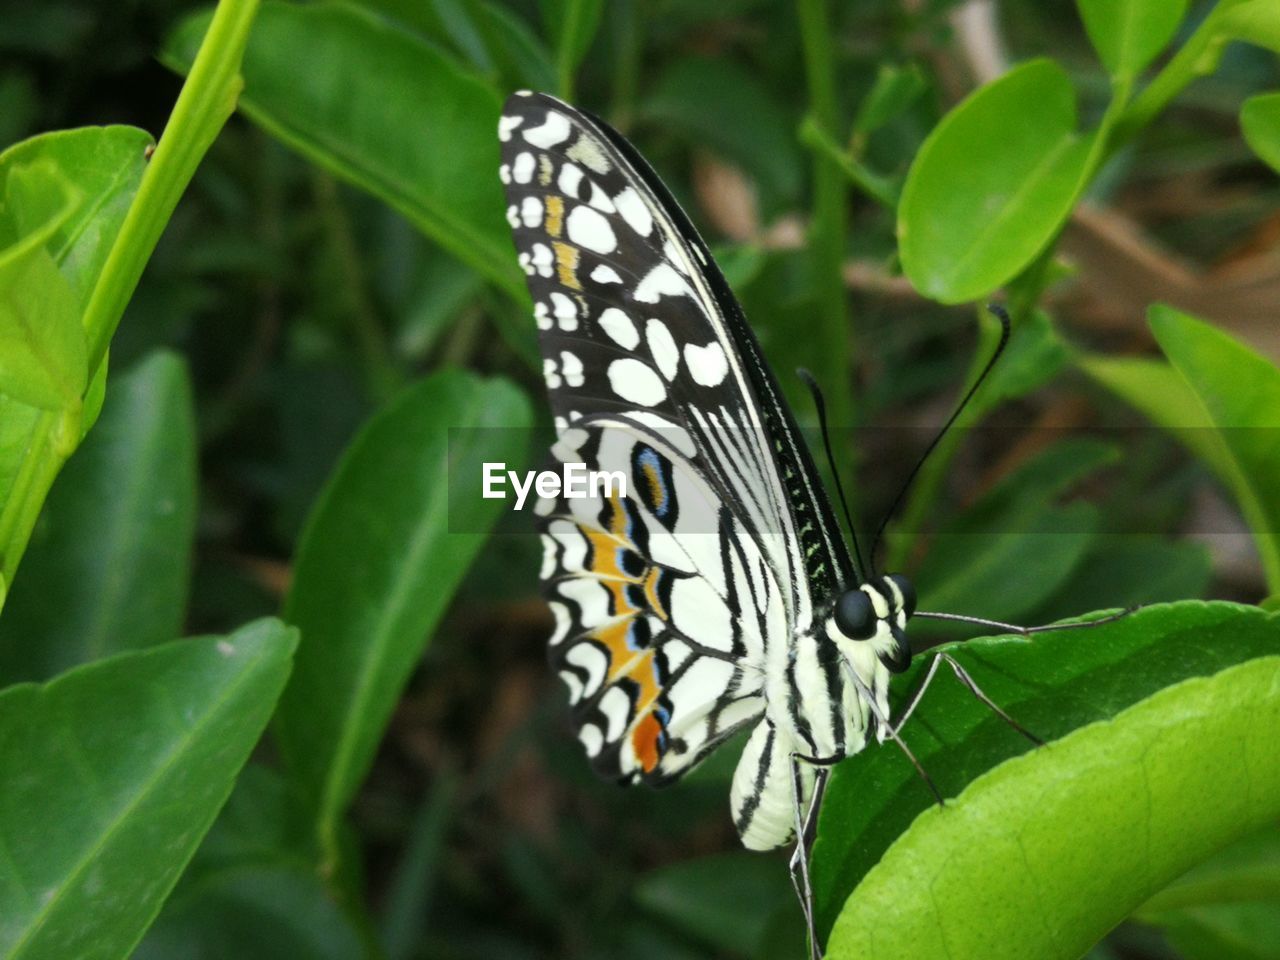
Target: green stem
879 188
827 230
206 101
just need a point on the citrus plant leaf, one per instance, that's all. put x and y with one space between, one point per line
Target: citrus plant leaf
113 543
412 132
1260 121
376 566
113 772
992 184
1052 684
1127 34
1240 393
1079 833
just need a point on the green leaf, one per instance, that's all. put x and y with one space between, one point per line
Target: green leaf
1078 834
705 898
113 772
375 568
1239 391
1253 21
571 25
43 354
1052 684
251 891
1129 33
992 184
734 114
1260 121
1247 870
114 541
1012 550
1229 931
413 132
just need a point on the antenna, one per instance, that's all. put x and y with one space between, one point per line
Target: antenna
818 402
1000 314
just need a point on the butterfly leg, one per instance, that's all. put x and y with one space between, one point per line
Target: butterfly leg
805 824
971 685
892 732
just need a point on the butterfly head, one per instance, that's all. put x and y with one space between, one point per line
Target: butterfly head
877 612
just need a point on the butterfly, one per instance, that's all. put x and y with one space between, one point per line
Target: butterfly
713 592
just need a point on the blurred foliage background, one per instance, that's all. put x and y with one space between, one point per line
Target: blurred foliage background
292 304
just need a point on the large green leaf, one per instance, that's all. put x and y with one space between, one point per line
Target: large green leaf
1052 684
112 773
1239 391
109 560
385 111
1129 33
383 551
1078 834
571 25
992 184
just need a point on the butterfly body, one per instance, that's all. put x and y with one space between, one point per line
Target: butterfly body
717 593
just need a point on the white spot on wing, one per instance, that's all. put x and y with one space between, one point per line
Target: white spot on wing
636 382
707 365
590 658
605 274
590 230
554 130
506 125
590 737
616 707
661 281
634 211
572 368
549 374
665 352
619 328
504 173
588 153
522 169
565 311
542 259
570 177
540 315
531 211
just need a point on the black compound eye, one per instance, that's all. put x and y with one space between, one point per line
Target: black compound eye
908 591
855 616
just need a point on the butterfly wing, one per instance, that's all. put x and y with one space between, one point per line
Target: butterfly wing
671 619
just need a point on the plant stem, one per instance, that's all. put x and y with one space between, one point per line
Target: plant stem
827 230
206 101
879 188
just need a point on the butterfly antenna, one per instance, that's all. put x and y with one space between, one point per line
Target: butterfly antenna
1000 314
821 405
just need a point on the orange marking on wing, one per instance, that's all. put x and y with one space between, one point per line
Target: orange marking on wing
644 740
604 556
555 215
651 579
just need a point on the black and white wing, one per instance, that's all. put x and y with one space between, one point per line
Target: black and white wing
652 371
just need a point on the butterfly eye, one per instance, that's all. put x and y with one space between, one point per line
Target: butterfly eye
908 591
854 615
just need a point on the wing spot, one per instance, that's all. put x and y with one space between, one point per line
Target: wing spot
587 228
636 382
619 328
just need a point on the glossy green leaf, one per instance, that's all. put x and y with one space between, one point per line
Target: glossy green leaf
1012 550
1253 21
734 114
112 774
1053 684
102 168
1245 871
376 566
251 890
113 544
413 132
1129 33
1228 931
1239 391
992 184
43 354
1077 834
705 898
1260 121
